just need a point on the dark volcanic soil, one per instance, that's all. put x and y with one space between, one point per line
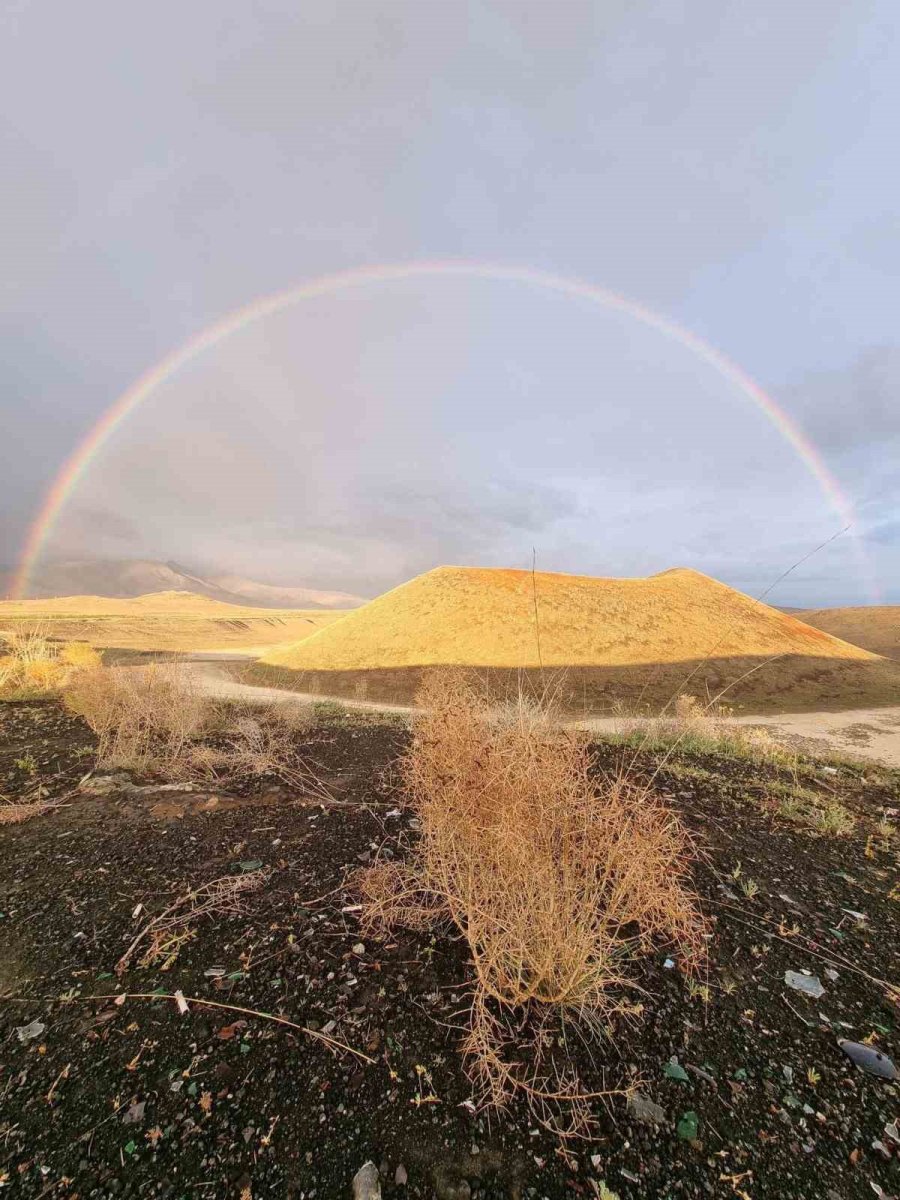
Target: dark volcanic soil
137 1100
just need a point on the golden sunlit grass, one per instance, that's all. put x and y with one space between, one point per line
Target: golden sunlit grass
163 621
876 627
556 881
614 639
31 664
479 617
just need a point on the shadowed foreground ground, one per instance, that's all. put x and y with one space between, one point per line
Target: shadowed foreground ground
746 1089
793 683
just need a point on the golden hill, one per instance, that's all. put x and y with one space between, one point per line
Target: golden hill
618 639
163 621
875 627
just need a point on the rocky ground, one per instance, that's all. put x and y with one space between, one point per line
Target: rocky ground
108 1088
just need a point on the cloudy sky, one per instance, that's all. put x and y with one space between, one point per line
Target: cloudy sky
729 166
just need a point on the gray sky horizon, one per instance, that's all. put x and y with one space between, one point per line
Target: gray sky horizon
728 168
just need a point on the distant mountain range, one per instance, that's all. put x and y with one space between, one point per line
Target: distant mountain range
136 577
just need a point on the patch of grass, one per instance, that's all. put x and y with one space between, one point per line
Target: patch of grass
31 665
833 820
695 729
555 881
330 712
804 807
27 763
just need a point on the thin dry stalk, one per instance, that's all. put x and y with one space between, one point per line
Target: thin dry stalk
14 814
223 895
332 1043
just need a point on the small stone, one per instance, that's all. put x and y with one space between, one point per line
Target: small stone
359 949
366 1184
643 1109
810 985
34 1029
868 1059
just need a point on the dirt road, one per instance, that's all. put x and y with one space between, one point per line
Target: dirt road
868 733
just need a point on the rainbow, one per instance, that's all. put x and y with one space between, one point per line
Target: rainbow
78 462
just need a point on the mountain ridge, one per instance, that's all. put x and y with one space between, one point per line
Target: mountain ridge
129 578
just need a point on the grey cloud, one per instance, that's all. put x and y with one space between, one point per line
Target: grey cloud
858 405
154 182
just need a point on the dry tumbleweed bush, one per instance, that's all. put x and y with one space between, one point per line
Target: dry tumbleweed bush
556 881
157 718
142 716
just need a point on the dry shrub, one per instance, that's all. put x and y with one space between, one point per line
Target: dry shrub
144 717
254 743
158 719
30 662
556 881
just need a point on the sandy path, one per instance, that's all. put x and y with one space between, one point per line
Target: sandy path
869 733
216 681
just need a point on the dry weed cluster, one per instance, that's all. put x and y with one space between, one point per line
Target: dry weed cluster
143 718
157 719
168 931
555 880
30 662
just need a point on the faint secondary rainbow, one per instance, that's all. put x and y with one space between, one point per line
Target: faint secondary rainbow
75 466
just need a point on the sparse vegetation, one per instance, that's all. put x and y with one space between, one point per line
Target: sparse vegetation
805 807
31 664
554 879
144 718
156 719
700 729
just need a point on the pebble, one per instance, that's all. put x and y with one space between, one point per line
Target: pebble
366 1183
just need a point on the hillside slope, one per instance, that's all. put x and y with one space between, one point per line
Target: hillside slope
163 621
130 578
875 627
485 617
618 639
